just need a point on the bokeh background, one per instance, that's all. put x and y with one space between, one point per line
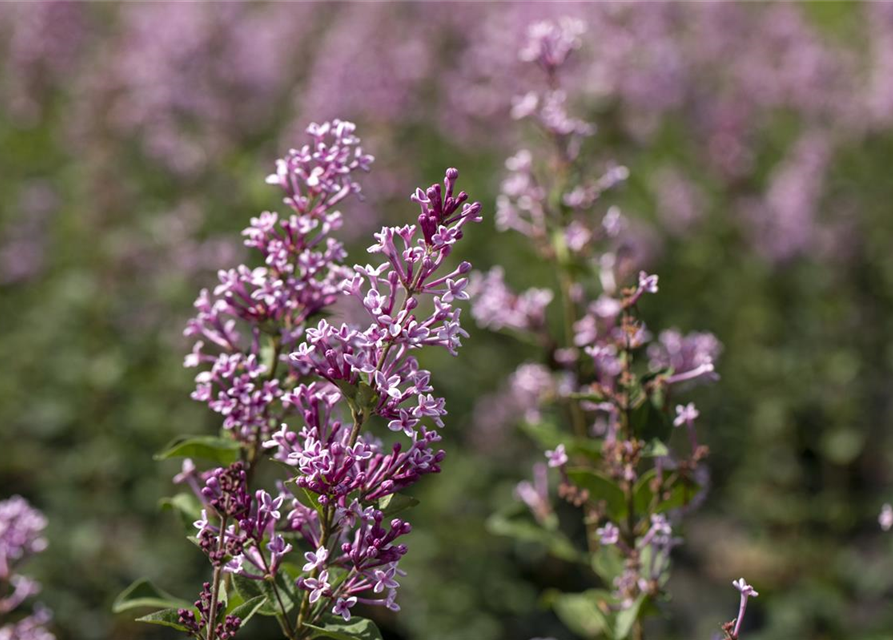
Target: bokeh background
135 138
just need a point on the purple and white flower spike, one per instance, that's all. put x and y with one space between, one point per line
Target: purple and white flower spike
629 486
271 357
21 536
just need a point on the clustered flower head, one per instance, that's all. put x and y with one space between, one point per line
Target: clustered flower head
293 384
549 43
607 376
302 274
496 307
21 536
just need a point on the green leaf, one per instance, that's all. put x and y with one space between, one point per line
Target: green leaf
304 496
581 612
626 618
250 589
548 436
309 499
267 353
220 450
594 613
608 563
516 521
186 505
655 449
292 570
247 588
360 397
680 494
290 470
590 396
395 503
143 593
650 422
247 609
366 397
600 488
222 599
165 617
354 629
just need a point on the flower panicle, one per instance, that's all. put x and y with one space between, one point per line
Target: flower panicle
330 377
21 538
604 373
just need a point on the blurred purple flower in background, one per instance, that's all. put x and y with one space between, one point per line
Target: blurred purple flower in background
21 536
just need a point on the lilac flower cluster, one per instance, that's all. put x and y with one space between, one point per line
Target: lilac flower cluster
497 307
530 387
205 606
331 379
168 78
21 536
655 544
43 45
302 275
691 357
590 378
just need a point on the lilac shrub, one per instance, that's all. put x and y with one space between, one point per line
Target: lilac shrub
602 402
299 390
21 537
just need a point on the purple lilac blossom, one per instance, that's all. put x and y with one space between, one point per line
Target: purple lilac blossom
302 274
44 44
691 357
497 307
746 592
380 377
385 75
409 302
557 457
702 65
536 494
528 389
170 76
602 331
21 536
782 222
679 200
885 519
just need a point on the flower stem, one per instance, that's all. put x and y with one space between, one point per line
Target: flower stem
215 583
282 618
